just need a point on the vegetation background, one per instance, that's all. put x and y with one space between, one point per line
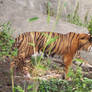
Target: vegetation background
43 15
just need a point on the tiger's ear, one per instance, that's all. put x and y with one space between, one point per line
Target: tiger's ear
84 36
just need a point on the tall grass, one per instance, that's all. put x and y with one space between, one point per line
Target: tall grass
49 38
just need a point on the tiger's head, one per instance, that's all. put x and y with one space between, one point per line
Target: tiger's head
85 42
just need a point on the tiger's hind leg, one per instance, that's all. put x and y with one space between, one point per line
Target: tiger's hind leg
27 68
20 65
16 64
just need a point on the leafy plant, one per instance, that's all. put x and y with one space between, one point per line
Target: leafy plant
19 89
77 84
33 19
6 41
74 18
90 26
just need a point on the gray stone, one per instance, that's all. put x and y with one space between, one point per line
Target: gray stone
18 13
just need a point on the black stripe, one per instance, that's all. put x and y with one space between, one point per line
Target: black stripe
70 34
71 41
37 39
22 43
46 49
68 42
35 36
18 40
59 43
77 36
53 48
72 38
63 37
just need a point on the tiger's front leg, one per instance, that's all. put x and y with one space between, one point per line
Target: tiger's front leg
67 62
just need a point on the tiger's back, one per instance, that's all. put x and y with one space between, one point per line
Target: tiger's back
60 45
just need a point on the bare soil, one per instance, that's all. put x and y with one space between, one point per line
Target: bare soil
5 78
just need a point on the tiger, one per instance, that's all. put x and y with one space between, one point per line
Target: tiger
65 45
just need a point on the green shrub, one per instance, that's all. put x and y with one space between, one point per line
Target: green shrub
77 84
90 26
6 41
74 19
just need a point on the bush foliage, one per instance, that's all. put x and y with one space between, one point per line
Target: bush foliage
6 41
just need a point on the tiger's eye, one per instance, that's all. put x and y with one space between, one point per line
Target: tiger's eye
90 39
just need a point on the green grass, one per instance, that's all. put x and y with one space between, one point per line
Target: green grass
90 26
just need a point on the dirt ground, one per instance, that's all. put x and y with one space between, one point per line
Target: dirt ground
5 78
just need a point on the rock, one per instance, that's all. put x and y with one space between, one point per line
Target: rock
18 13
41 6
85 7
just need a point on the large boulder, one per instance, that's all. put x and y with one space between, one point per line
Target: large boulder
83 7
18 13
